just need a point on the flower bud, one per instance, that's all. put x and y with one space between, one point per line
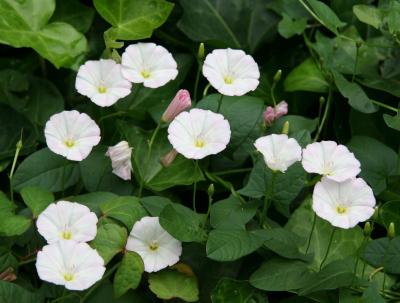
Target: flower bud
391 231
285 128
120 156
367 229
210 190
269 115
167 159
8 275
278 76
180 102
201 52
281 109
19 144
273 113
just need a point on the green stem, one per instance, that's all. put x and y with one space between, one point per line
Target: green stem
311 232
116 114
210 200
95 286
27 261
63 297
267 199
146 163
196 167
196 83
358 255
14 163
205 91
233 171
327 250
355 61
273 93
324 117
385 106
220 103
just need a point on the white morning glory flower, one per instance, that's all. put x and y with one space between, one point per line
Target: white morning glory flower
66 220
343 204
199 133
329 159
279 151
149 64
157 248
120 155
231 72
75 265
102 82
71 134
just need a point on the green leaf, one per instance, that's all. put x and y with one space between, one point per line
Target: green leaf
127 210
384 252
183 223
230 245
232 291
12 293
378 161
10 223
231 213
286 185
368 14
169 284
306 77
7 259
155 204
128 274
355 95
280 275
75 13
47 170
241 24
346 242
326 15
392 121
25 24
110 240
371 294
133 19
297 124
289 27
37 199
94 200
390 212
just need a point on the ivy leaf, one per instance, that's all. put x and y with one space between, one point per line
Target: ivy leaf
127 210
25 24
169 284
110 240
128 274
37 199
133 19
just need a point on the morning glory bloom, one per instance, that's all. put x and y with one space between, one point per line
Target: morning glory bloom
231 72
149 64
279 151
71 134
120 155
180 103
74 265
273 113
66 220
343 204
329 159
102 82
199 133
157 248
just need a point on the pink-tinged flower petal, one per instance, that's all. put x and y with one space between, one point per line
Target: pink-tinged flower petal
180 103
120 155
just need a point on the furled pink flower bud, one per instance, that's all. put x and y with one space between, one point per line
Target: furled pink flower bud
180 103
167 159
273 113
120 156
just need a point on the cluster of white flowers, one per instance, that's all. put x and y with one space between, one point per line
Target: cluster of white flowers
67 259
340 197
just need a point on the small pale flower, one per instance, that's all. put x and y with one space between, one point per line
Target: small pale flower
120 156
75 265
343 204
71 134
102 82
273 113
279 151
180 103
329 159
231 72
199 133
66 220
157 248
149 64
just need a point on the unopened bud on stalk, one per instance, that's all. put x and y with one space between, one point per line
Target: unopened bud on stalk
321 100
180 103
285 128
367 229
167 159
277 76
201 52
391 231
210 190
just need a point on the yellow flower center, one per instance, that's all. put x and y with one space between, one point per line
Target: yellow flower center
328 168
145 74
69 143
154 246
341 210
67 235
199 143
102 89
68 277
228 79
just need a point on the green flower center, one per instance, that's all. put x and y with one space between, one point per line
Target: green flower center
102 89
341 210
69 143
145 74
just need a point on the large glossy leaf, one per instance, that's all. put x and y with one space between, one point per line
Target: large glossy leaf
390 212
384 252
326 15
25 24
47 170
133 19
11 293
36 199
237 24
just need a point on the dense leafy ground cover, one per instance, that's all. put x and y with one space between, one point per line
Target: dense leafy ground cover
233 222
